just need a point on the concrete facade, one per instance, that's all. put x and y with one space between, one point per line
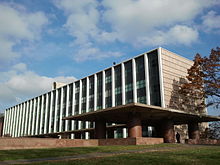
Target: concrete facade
174 69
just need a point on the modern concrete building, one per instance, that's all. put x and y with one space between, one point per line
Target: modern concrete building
118 102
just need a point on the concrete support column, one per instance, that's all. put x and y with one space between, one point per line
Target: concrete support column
134 127
113 86
147 79
168 131
73 107
123 83
95 92
103 89
193 130
100 130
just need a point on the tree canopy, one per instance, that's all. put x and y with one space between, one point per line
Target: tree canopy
203 81
211 70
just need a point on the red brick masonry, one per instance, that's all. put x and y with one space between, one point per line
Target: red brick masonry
130 141
203 141
27 143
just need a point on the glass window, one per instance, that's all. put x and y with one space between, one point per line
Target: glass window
64 107
76 125
108 88
140 80
69 125
44 113
76 98
91 124
91 93
53 111
83 124
39 116
154 82
32 114
48 111
83 99
118 88
119 133
99 91
128 82
58 110
70 102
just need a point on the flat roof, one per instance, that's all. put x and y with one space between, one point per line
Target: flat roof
148 113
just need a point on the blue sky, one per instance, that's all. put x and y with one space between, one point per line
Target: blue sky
62 40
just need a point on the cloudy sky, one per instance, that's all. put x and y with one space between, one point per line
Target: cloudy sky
43 41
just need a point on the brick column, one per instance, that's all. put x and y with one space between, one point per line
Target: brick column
134 126
167 129
193 130
100 130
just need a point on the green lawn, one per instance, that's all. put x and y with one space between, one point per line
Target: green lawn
190 156
178 154
58 152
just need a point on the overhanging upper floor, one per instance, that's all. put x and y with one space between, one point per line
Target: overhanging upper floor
148 113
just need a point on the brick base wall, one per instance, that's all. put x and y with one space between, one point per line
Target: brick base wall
203 141
28 143
149 141
119 141
130 141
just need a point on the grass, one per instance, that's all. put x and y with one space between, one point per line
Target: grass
180 155
191 156
59 152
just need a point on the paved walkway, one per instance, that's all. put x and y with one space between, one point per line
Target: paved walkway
93 155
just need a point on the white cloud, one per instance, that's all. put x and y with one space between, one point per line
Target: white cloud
182 34
82 22
87 53
211 21
134 20
178 34
82 18
16 25
20 67
20 84
6 52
